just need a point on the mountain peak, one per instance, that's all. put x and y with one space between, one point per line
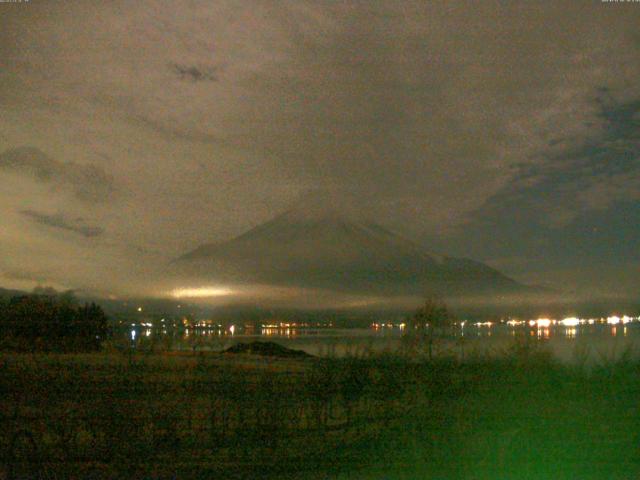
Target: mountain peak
320 245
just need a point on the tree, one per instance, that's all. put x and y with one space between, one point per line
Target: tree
91 326
428 321
46 322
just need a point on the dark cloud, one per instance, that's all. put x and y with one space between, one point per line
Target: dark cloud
196 73
75 225
593 175
87 182
569 217
28 277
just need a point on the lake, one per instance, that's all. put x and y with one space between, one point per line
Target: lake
569 340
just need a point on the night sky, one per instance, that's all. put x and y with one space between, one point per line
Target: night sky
132 132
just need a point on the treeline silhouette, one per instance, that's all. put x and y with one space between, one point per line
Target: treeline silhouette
48 321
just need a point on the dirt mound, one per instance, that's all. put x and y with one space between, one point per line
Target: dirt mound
267 349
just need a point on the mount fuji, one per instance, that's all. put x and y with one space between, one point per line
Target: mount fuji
326 249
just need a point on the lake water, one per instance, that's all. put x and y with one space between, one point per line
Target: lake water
570 340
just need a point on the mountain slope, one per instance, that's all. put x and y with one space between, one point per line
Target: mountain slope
327 250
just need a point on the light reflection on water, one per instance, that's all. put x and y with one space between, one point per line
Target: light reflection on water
602 337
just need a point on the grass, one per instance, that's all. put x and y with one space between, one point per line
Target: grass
519 415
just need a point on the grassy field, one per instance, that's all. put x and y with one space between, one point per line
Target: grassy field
517 416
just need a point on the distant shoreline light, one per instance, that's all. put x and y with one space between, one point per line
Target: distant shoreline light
201 292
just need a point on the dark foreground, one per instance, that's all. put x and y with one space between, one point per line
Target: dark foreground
519 416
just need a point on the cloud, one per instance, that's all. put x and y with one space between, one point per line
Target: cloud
88 183
196 73
75 225
593 175
214 117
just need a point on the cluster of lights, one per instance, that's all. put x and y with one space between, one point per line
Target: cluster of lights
574 321
516 323
541 323
482 324
615 320
401 326
282 325
207 324
570 322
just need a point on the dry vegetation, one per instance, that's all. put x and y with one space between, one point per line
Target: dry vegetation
105 415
